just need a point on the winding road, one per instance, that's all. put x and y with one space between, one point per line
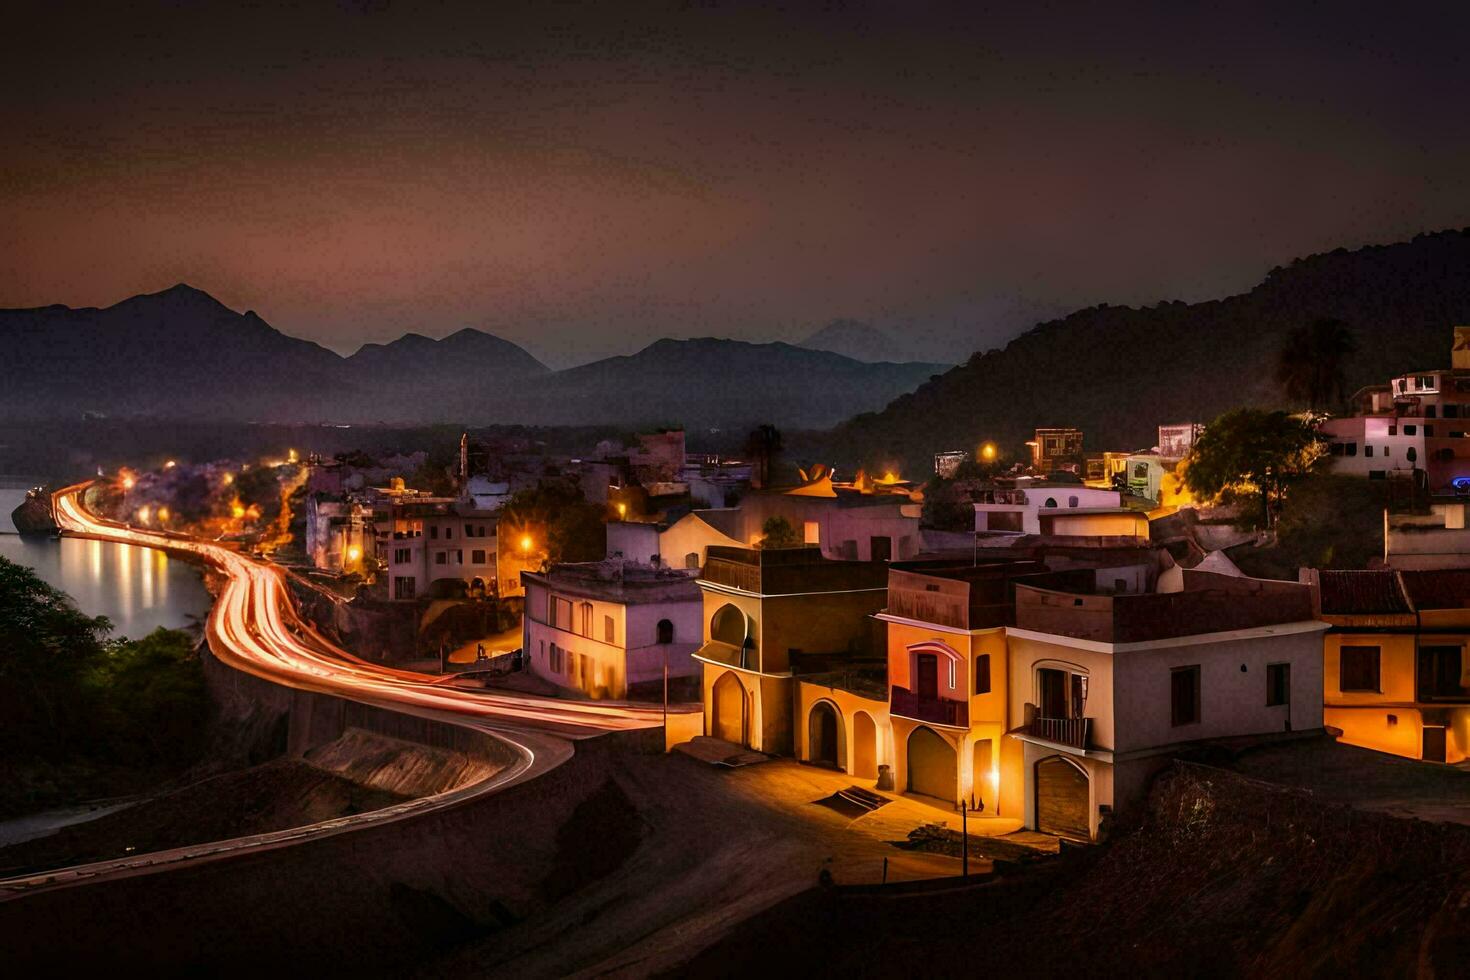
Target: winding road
254 626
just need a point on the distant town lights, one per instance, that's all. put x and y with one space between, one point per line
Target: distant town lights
170 464
622 510
987 451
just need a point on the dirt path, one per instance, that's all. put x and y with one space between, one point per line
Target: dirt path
714 847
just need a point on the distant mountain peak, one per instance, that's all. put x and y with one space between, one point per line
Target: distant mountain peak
859 341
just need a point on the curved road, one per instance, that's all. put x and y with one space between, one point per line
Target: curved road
254 627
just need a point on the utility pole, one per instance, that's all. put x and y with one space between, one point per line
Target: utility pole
964 840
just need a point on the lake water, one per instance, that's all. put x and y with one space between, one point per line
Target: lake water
139 589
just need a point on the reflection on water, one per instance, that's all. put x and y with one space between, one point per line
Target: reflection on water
139 589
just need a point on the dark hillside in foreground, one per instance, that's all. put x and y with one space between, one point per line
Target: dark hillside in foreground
1119 372
1226 877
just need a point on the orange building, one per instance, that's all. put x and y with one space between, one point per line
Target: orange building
1396 677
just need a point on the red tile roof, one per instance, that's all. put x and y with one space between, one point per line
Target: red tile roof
1362 593
1439 589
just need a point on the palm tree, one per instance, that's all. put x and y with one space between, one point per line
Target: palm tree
1312 365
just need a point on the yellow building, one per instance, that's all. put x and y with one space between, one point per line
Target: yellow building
1394 663
769 614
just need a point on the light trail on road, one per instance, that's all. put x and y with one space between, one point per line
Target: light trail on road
254 627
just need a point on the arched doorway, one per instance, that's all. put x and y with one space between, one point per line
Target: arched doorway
864 746
931 765
1062 798
823 738
727 709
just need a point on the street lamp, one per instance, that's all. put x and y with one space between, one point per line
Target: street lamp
987 452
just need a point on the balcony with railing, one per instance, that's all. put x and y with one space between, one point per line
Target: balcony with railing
1073 732
936 710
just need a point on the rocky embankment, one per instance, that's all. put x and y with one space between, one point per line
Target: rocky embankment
33 517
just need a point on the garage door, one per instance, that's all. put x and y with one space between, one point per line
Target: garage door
1061 798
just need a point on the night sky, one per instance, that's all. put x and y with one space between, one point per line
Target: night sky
584 181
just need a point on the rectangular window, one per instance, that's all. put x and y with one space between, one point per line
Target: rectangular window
561 613
1409 430
982 674
1278 684
607 629
1393 430
477 557
1426 382
1452 411
448 533
400 556
1350 449
458 557
434 531
811 532
442 558
1429 411
1184 695
1357 669
951 673
403 587
1368 451
1429 431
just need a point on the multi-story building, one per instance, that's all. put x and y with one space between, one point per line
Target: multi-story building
1056 509
609 629
1416 426
770 615
1105 688
1395 667
845 524
948 675
440 539
1028 692
1054 449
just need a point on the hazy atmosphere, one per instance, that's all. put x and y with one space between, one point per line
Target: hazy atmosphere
583 182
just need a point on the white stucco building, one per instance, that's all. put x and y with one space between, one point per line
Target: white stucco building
606 629
436 539
1108 688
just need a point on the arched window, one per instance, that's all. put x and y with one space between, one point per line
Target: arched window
586 619
665 631
691 560
1071 501
728 625
1413 454
1051 502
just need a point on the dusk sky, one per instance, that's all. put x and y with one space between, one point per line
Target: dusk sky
583 181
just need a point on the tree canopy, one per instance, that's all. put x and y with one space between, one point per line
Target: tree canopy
1251 457
777 532
85 715
556 513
